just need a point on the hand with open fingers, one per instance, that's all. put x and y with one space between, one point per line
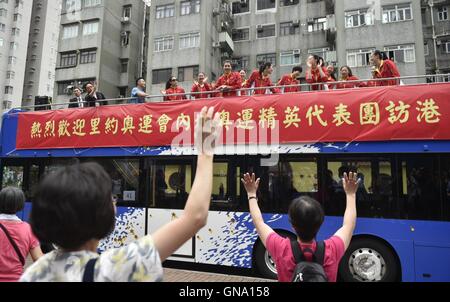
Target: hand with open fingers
207 131
250 184
351 183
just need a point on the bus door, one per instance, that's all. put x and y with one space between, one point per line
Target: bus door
170 184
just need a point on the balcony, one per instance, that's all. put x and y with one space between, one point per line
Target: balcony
226 43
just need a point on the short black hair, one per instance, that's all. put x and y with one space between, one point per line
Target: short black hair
297 68
73 205
306 216
380 54
138 79
12 200
264 66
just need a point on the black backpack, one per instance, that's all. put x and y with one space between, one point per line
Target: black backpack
306 271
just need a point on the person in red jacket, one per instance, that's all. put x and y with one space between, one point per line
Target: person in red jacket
291 79
316 72
331 77
385 68
261 78
201 85
173 88
229 82
347 75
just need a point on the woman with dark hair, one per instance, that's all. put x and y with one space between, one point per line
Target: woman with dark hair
384 69
200 86
261 78
316 73
347 75
74 209
173 88
16 238
331 77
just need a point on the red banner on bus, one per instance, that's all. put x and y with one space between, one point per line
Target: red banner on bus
419 112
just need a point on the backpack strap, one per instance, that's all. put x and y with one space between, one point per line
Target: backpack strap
88 275
13 243
319 255
297 252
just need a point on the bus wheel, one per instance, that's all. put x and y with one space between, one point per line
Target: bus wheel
369 260
264 262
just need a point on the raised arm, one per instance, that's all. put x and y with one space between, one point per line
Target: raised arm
261 227
173 235
350 184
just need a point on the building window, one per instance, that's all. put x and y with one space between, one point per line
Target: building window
164 44
7 105
290 57
165 11
290 28
241 34
240 7
358 18
12 60
2 27
359 58
68 59
124 66
161 75
190 7
189 40
426 49
91 3
289 2
401 53
241 63
317 24
88 56
3 12
443 13
264 31
17 18
70 31
126 11
72 5
265 4
397 13
9 90
125 38
268 57
13 45
447 47
90 28
10 75
15 31
187 74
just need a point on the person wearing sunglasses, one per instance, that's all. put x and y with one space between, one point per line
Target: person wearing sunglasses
173 88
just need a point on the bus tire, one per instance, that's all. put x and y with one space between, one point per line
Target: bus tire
369 260
263 262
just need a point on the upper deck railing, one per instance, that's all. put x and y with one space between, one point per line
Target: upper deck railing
245 92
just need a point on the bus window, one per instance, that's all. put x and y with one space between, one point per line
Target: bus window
172 185
33 181
375 193
220 192
445 185
298 178
12 177
421 199
124 175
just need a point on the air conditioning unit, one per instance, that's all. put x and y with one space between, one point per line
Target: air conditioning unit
125 19
259 28
224 25
244 3
297 53
216 12
438 42
124 34
310 20
296 23
216 44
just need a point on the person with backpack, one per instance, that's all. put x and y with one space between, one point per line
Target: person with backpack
76 217
16 238
305 259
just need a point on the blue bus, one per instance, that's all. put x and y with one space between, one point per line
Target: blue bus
403 227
